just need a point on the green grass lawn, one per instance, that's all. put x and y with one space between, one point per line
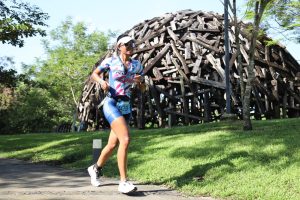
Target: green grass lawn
214 159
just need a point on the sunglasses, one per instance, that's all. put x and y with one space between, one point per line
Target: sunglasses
130 45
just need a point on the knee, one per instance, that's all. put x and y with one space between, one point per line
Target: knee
125 141
112 146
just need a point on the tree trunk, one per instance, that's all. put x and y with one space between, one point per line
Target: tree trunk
259 9
246 100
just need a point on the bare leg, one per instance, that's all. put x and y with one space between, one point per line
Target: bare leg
108 149
120 128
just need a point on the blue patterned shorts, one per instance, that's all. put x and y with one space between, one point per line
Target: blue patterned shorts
112 112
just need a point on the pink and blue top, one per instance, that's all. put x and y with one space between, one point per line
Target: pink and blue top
120 78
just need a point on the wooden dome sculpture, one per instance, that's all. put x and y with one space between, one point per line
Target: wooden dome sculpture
183 58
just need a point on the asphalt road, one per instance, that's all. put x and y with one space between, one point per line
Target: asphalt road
20 180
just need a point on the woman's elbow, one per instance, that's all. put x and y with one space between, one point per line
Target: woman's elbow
95 75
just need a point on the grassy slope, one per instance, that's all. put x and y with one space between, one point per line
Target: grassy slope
215 159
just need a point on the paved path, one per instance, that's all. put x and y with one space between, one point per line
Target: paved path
28 181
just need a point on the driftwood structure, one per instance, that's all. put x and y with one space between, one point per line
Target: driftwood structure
183 58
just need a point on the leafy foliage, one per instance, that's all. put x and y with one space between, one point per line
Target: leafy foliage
8 80
8 76
33 110
280 17
19 20
45 95
70 60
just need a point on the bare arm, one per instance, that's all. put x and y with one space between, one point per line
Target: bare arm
96 77
139 80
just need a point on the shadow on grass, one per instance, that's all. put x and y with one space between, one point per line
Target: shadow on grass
198 172
50 149
230 152
219 150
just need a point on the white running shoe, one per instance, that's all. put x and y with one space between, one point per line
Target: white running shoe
95 175
126 187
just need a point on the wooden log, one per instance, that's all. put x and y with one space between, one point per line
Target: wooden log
184 102
202 81
244 53
157 73
264 89
207 108
275 89
173 25
187 51
276 108
164 22
174 61
143 31
168 58
156 58
217 43
167 110
259 107
157 102
197 64
155 34
259 60
204 30
232 60
89 92
172 104
147 48
175 50
148 55
173 98
203 44
259 72
216 65
170 71
284 105
203 39
141 111
174 36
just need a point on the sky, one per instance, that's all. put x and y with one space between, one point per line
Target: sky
115 15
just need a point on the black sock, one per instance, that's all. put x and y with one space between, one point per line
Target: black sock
97 167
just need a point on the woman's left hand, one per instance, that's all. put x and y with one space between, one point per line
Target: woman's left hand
138 78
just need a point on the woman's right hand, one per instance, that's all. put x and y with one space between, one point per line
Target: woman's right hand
104 85
96 77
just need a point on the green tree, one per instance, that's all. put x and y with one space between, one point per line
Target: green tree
45 95
8 76
33 110
264 14
71 52
283 17
259 8
8 80
19 20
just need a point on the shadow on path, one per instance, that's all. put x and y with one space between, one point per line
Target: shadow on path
24 180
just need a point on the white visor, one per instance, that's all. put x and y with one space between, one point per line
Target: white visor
124 40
